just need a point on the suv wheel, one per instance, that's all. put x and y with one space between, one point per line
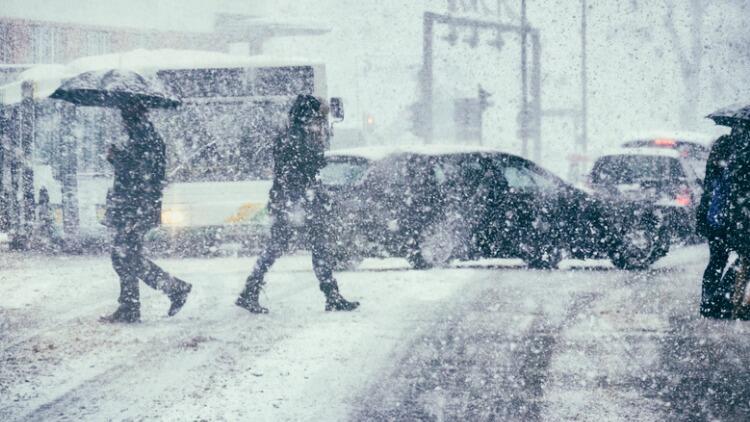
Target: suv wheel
439 243
641 242
539 249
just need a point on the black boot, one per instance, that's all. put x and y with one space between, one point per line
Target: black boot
125 313
334 300
178 296
249 298
129 310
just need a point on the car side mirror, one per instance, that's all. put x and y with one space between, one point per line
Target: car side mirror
337 109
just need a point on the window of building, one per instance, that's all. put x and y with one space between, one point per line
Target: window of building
43 46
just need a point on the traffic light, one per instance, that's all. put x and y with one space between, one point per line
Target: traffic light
369 122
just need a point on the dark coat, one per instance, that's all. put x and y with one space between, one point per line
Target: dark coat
718 159
140 168
738 234
298 154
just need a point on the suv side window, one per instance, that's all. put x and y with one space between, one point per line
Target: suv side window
545 182
519 178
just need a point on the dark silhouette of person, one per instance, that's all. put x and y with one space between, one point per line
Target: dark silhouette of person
45 234
134 208
714 295
295 196
738 231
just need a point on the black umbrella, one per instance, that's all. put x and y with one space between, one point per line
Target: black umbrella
115 88
732 115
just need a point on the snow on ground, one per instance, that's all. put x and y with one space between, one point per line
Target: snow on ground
213 360
576 339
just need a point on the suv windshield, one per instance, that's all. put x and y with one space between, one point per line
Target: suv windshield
626 169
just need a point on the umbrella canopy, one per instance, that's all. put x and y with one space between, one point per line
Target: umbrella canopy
732 115
114 88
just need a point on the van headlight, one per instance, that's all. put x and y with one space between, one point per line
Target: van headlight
174 217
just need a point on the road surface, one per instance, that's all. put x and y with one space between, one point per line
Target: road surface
489 340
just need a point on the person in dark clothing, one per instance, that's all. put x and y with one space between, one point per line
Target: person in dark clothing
296 199
45 235
738 231
134 208
714 295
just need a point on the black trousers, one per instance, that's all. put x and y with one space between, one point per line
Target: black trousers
282 231
130 265
716 292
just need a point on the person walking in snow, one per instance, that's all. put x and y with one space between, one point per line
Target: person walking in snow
134 208
738 230
296 197
715 295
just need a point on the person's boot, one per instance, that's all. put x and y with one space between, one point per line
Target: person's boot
178 296
248 299
334 300
125 313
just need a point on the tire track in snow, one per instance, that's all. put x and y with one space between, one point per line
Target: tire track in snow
477 363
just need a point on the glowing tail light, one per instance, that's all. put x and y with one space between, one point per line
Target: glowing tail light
684 198
664 142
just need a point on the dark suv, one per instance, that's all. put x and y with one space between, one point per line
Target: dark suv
435 204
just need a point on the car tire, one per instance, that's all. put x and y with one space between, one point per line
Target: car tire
438 245
540 250
641 242
543 257
349 263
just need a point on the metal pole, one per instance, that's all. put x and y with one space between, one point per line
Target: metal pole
4 132
536 94
69 175
14 210
427 77
524 121
28 125
584 82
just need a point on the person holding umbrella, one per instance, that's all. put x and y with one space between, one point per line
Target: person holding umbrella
296 196
134 201
714 295
722 215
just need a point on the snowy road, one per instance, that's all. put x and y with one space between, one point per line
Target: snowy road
486 341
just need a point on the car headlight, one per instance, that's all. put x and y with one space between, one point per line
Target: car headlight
173 217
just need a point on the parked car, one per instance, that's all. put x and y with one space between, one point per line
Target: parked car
661 178
434 204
